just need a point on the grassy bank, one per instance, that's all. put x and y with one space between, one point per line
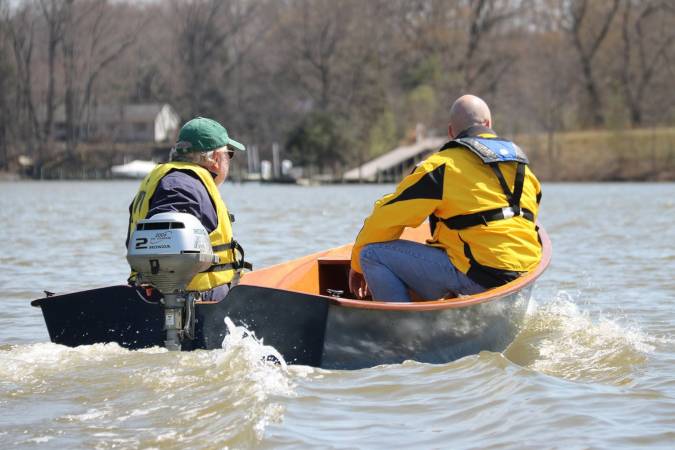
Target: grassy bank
646 154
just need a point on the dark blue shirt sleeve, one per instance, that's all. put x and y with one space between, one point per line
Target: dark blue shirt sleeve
181 192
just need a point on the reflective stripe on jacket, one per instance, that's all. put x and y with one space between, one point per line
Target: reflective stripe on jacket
221 236
455 182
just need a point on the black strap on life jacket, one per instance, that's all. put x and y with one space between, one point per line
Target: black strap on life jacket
238 263
488 277
512 210
483 217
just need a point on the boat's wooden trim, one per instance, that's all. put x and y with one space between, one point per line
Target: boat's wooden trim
301 275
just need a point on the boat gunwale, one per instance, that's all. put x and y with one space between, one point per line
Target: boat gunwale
432 305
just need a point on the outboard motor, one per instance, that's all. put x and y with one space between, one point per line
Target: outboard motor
167 251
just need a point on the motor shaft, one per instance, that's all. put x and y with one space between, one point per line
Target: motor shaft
173 320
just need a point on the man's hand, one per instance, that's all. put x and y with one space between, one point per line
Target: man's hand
357 284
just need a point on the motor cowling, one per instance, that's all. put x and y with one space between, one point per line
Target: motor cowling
168 249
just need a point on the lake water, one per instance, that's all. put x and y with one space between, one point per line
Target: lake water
593 367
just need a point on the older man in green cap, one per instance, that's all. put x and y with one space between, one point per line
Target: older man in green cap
199 163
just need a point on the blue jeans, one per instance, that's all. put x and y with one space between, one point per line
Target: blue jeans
392 268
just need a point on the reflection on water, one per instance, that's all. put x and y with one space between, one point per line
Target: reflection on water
597 348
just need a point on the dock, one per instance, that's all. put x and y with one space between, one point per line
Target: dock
395 164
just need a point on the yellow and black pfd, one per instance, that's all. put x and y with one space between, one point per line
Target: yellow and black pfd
516 216
481 200
230 253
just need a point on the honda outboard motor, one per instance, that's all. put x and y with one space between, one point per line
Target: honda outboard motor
167 251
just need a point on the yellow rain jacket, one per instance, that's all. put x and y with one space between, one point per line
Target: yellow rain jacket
221 237
488 230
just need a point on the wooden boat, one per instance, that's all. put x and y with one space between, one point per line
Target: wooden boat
301 308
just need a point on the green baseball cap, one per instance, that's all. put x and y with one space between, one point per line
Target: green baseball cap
202 135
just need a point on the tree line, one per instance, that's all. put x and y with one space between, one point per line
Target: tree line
335 82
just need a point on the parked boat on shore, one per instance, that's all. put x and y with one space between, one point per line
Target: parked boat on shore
302 308
135 169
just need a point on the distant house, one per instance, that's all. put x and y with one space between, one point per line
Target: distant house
150 122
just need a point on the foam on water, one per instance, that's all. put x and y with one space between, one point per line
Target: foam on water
564 340
240 338
145 398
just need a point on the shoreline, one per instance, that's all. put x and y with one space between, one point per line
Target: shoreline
659 178
629 155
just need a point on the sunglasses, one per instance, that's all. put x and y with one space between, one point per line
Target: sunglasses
229 153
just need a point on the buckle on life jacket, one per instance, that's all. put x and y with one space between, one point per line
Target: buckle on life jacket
509 212
482 218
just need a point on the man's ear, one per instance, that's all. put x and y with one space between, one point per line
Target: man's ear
211 164
451 134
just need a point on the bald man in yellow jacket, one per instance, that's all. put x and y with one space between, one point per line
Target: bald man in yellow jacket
481 199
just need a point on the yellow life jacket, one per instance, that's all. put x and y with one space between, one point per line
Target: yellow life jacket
485 222
221 237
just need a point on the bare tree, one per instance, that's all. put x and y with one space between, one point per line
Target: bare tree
647 35
588 29
205 43
21 29
316 33
85 59
485 16
422 29
465 37
6 87
54 13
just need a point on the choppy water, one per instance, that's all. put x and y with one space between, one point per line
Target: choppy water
592 369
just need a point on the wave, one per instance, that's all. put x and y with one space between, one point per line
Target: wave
148 398
561 339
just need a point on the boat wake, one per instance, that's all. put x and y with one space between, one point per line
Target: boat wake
561 339
146 398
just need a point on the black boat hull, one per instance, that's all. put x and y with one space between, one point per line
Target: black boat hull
294 325
305 329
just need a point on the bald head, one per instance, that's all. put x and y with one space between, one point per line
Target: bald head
468 111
